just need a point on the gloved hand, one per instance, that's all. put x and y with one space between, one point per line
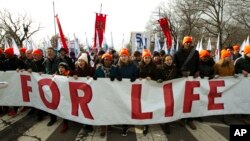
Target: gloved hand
132 79
185 73
159 81
112 78
94 77
119 78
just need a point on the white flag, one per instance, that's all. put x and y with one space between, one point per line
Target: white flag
97 41
201 47
15 47
165 48
217 50
157 46
76 46
123 41
104 43
6 44
59 44
247 41
209 46
197 46
112 42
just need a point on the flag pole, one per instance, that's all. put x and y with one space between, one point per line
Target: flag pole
101 8
54 16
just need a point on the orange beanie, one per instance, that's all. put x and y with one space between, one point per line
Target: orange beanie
247 49
124 51
22 50
9 51
225 54
187 39
37 52
146 53
204 53
107 55
236 47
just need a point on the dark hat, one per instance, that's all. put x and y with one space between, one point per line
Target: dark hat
63 64
156 54
63 49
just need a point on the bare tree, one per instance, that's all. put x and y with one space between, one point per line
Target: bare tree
19 27
240 12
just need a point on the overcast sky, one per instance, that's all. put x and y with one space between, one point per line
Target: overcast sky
78 16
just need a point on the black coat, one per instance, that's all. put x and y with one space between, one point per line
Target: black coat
193 64
149 70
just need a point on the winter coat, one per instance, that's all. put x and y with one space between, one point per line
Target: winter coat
51 66
106 72
242 64
168 72
128 70
13 63
84 72
37 66
193 64
224 69
207 68
149 70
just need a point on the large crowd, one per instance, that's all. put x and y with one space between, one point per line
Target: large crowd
158 66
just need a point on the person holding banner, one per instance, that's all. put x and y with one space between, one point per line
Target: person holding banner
12 63
51 65
168 72
206 64
105 70
83 69
148 71
63 69
187 63
126 69
224 67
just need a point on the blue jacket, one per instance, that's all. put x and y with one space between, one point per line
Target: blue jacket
127 71
103 72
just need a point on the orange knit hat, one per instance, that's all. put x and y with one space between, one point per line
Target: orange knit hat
124 51
247 49
187 39
9 51
225 54
204 53
37 52
236 47
146 53
22 50
107 55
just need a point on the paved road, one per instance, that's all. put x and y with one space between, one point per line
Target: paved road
23 127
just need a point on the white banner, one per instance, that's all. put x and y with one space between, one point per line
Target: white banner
103 102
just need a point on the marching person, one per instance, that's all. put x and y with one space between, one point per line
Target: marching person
187 63
83 69
148 71
63 69
126 69
51 66
105 70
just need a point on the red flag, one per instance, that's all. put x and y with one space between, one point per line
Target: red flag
62 35
166 30
100 23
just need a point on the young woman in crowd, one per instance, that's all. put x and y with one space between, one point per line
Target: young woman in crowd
126 69
105 70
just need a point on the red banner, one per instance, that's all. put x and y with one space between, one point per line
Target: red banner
61 34
166 30
100 23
